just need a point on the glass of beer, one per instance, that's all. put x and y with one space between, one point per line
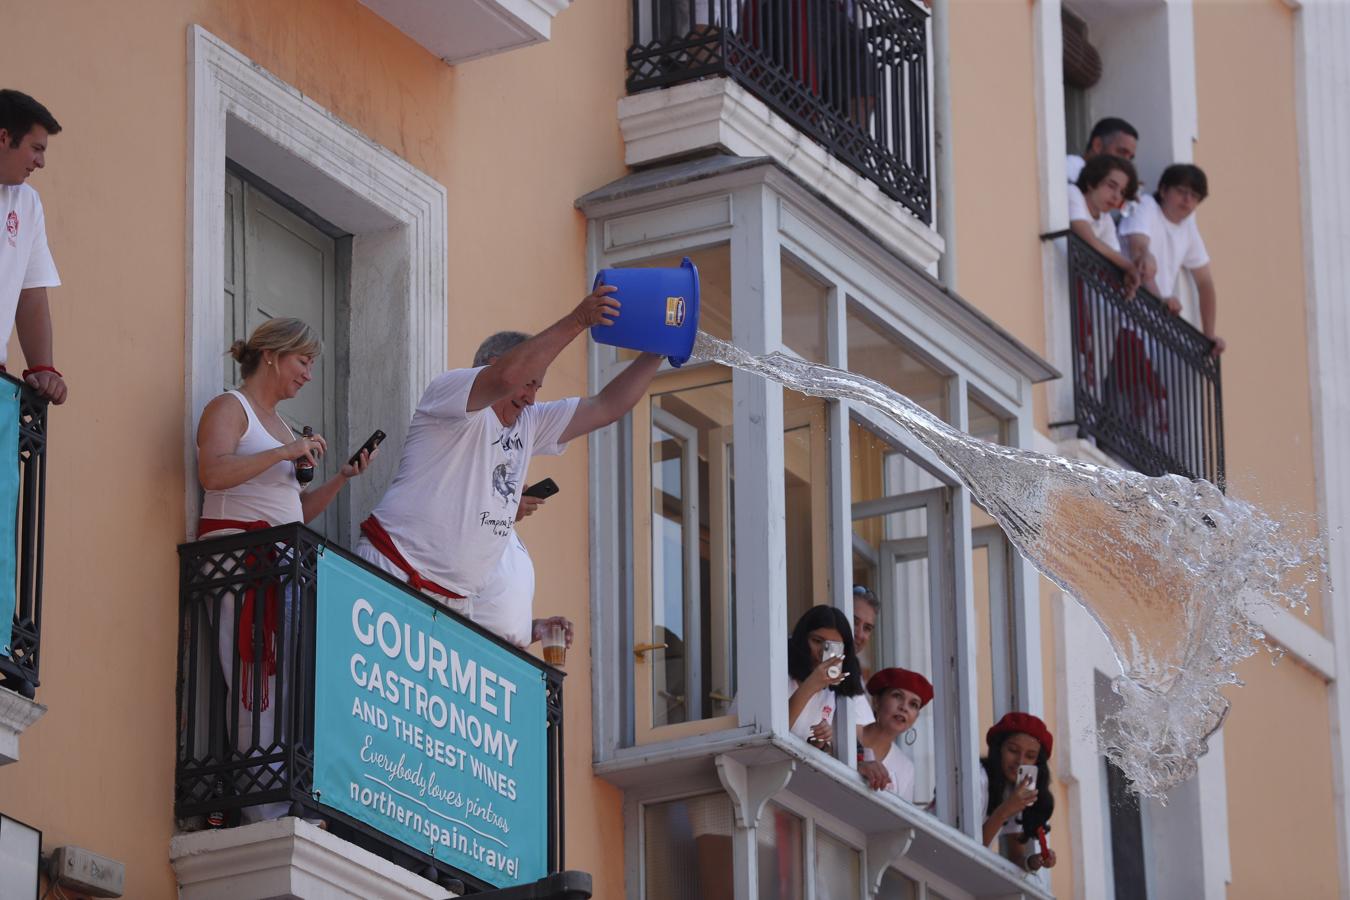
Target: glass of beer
555 644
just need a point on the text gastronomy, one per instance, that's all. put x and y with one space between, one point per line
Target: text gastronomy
428 731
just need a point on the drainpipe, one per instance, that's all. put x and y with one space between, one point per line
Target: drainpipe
942 123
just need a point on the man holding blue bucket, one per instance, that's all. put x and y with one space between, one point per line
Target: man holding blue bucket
447 523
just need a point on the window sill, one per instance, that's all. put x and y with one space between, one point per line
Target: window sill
287 857
16 714
828 784
718 114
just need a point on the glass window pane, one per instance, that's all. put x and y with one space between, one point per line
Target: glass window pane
804 309
838 869
805 479
984 423
780 855
688 848
895 886
875 352
692 601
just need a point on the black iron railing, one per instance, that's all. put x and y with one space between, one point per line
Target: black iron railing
851 74
19 670
259 754
1146 384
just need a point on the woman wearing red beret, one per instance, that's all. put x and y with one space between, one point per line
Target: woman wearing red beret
900 695
1018 809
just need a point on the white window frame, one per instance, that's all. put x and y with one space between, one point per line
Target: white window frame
763 213
396 213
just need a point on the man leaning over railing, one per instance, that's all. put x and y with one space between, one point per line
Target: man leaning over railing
26 266
450 514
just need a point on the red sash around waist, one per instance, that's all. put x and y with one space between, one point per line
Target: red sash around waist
381 541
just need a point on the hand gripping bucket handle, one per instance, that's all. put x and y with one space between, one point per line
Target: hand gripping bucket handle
659 312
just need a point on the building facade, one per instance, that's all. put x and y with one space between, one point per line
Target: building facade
411 176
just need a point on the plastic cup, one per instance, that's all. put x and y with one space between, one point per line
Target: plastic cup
555 644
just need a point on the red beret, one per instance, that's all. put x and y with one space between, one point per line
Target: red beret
1022 723
889 679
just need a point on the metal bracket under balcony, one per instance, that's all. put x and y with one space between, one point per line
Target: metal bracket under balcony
850 74
1146 384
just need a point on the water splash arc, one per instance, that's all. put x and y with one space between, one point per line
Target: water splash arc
1170 568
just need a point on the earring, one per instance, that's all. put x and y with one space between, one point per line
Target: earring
911 736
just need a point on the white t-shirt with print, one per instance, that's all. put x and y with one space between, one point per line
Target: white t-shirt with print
25 261
1104 227
451 508
1175 246
505 606
901 769
821 707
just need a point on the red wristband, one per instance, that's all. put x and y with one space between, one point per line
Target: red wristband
36 369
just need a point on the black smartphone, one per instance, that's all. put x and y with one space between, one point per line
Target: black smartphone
541 490
369 446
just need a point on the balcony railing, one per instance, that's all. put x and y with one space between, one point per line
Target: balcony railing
310 684
24 507
851 74
1146 384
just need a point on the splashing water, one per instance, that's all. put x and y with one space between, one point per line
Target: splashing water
1170 568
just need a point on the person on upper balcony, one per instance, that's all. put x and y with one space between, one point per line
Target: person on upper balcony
26 266
1110 137
823 671
1104 185
450 513
1162 238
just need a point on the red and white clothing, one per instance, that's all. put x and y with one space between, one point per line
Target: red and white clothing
272 496
451 509
25 261
901 769
821 707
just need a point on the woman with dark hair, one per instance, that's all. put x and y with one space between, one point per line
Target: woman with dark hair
817 679
1017 806
900 695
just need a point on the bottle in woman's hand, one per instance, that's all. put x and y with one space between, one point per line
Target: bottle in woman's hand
304 466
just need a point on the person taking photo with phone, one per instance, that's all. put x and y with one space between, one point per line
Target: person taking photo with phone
1015 789
449 516
823 668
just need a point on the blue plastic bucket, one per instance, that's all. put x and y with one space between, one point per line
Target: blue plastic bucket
659 312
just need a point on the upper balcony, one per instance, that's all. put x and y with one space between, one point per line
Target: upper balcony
1146 384
457 32
838 91
23 488
311 685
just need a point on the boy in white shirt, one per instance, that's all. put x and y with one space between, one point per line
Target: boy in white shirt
1163 239
26 267
1104 185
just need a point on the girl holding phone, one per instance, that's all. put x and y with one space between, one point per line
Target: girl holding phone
818 680
1018 805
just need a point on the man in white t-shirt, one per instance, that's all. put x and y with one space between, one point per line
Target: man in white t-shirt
1162 238
1110 137
450 513
26 266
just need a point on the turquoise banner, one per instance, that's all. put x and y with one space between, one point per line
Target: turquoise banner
9 507
428 731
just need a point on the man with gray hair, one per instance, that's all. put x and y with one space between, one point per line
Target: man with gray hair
449 516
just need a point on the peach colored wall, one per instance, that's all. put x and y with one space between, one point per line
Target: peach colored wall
515 139
1252 222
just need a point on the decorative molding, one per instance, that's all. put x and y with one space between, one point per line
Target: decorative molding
750 787
323 162
457 31
883 850
717 113
17 712
288 857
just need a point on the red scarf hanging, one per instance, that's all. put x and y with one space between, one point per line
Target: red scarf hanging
271 613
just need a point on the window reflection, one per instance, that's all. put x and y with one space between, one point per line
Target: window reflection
780 855
876 352
804 309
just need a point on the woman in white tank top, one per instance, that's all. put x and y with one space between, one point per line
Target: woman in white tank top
246 460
